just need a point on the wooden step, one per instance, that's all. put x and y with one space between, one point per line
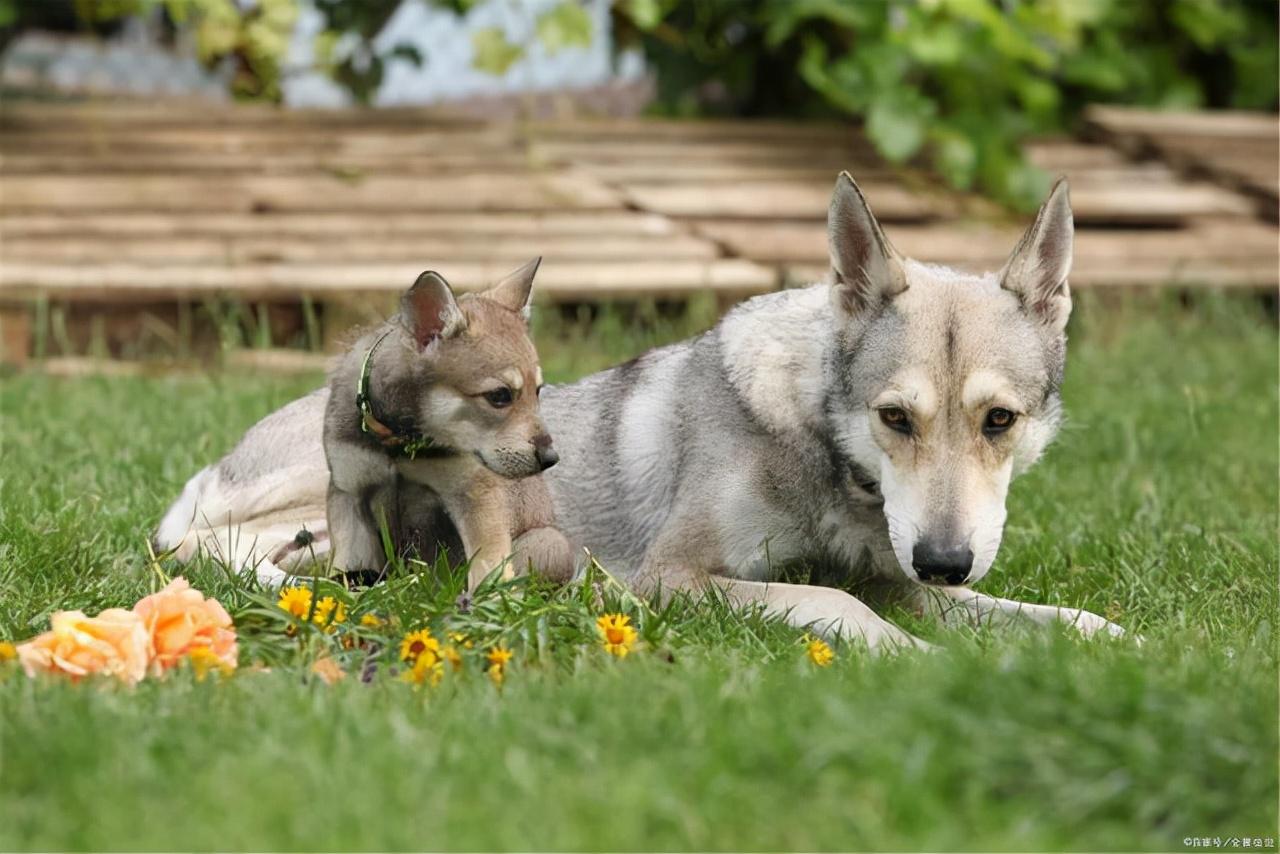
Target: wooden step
558 281
182 192
427 249
328 226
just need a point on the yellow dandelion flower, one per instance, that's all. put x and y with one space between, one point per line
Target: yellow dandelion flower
819 652
417 643
204 660
295 601
8 652
450 654
498 658
427 669
372 621
329 612
616 633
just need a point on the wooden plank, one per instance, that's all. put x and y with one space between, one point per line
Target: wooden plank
326 226
180 192
557 281
277 360
425 249
981 247
1063 154
698 170
184 112
624 151
1216 123
776 200
1193 275
696 130
15 335
266 140
275 162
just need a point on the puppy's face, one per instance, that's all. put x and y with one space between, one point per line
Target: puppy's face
480 373
484 400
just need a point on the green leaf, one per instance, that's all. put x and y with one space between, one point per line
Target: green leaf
565 25
407 51
896 124
644 14
492 53
955 156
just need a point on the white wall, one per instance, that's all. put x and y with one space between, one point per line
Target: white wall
444 40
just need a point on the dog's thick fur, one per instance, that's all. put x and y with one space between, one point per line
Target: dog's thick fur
873 422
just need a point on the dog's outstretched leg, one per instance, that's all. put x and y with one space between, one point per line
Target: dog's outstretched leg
979 607
830 612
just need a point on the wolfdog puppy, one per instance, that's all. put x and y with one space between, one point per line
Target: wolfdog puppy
429 429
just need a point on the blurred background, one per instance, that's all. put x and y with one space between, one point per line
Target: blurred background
194 180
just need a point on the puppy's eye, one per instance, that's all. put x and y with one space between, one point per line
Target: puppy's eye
499 398
998 420
895 419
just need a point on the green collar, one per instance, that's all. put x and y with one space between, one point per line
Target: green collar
397 443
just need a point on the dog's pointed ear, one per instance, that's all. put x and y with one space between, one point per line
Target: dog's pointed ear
1038 268
513 290
429 310
866 268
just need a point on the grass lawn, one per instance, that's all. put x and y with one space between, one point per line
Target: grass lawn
1157 507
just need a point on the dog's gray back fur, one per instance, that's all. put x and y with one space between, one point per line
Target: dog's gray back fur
657 452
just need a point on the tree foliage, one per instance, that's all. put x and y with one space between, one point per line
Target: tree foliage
959 82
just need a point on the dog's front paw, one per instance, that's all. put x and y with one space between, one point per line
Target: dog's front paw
1090 624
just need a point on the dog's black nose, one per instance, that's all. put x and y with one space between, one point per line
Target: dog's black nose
547 456
941 566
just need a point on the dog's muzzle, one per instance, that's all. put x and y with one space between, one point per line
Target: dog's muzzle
946 566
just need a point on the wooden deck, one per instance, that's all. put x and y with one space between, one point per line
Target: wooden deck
137 204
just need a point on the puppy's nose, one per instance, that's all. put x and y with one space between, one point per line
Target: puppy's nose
937 565
547 456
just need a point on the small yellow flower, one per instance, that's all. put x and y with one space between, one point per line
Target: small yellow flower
8 652
450 654
329 612
204 660
819 651
415 644
617 634
295 601
461 640
427 670
372 621
498 658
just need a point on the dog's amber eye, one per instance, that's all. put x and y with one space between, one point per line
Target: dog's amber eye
998 420
895 419
499 397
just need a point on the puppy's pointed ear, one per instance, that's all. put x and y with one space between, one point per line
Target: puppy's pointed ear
429 310
1038 268
866 268
515 288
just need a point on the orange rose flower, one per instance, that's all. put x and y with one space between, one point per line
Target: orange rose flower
179 619
114 643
